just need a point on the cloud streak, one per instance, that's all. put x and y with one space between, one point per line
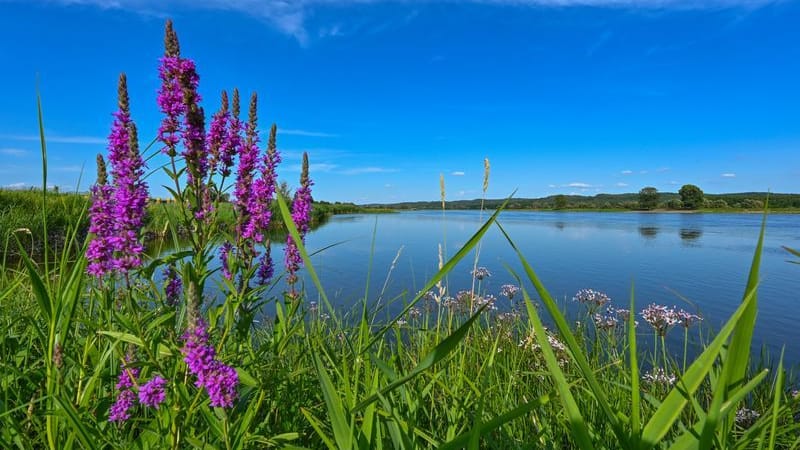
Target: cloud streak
86 140
307 133
728 175
13 152
363 170
289 16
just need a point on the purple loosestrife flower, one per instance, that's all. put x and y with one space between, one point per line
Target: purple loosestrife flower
224 254
173 285
218 133
152 393
120 410
170 95
126 399
263 191
127 377
233 139
218 379
265 266
248 159
301 216
198 354
130 192
100 252
221 383
194 133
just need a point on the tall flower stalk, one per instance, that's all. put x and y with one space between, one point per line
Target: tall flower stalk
301 215
117 211
100 252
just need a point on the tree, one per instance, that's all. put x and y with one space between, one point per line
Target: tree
648 198
561 201
691 196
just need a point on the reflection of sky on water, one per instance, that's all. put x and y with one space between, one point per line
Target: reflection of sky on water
703 258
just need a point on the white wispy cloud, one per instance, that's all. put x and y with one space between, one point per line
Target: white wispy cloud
73 168
662 169
16 186
626 172
87 140
307 133
578 184
363 170
13 152
313 167
458 173
289 16
621 184
551 186
728 175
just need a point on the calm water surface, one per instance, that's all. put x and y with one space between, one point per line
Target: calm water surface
673 259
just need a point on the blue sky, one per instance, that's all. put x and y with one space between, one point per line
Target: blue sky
563 96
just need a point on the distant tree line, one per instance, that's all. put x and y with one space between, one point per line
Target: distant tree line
690 197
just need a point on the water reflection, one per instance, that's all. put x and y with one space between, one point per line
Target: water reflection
560 225
648 232
690 236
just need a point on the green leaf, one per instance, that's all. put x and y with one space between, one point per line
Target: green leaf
163 350
441 351
462 439
776 402
580 430
336 412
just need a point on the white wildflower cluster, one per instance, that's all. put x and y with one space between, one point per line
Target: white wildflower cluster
660 317
481 273
659 376
530 343
414 313
622 314
612 318
686 318
607 321
508 317
429 296
746 417
487 300
591 298
509 291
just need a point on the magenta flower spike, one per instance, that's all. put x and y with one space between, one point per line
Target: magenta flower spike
152 393
130 191
218 379
100 252
248 161
301 216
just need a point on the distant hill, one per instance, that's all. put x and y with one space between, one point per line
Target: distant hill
667 200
